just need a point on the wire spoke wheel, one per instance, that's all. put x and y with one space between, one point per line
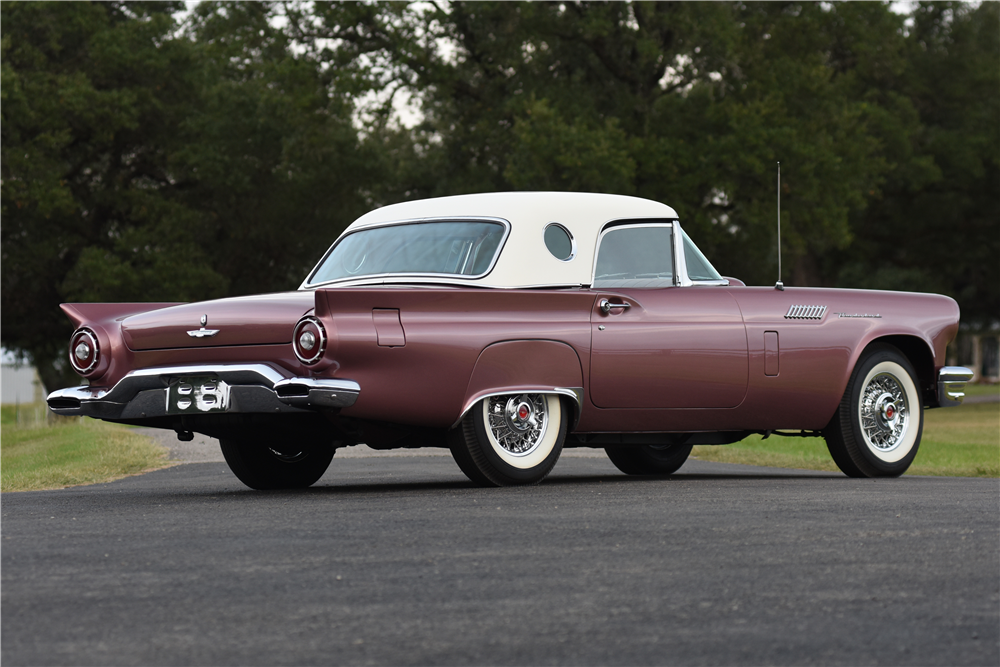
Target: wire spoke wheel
510 439
884 412
876 430
517 423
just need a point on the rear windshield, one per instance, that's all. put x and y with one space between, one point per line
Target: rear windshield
454 248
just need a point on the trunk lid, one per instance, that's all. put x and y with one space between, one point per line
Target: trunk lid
266 319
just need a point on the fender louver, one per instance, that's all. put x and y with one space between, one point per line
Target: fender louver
805 312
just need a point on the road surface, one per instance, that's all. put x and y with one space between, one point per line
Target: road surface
400 561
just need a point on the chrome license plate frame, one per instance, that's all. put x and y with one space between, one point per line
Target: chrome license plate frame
201 394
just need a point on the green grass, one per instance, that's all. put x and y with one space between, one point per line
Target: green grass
40 451
982 390
963 441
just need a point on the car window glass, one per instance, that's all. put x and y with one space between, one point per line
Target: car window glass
635 257
559 242
698 267
452 248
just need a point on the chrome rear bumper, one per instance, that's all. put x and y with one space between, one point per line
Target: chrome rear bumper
951 385
250 388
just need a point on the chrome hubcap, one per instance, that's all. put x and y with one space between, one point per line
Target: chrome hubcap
518 422
884 412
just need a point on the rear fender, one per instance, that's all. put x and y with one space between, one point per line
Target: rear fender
104 319
107 313
533 366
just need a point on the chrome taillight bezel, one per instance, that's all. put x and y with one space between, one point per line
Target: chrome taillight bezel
314 325
88 336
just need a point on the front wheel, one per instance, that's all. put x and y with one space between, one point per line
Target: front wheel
876 430
261 466
511 439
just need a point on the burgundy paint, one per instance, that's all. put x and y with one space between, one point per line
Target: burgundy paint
523 364
83 313
771 354
673 348
104 319
388 329
428 381
266 319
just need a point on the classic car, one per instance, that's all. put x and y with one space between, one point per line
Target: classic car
508 326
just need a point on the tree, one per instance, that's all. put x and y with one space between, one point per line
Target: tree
143 163
91 92
688 103
935 226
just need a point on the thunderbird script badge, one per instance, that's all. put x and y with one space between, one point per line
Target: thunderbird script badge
203 332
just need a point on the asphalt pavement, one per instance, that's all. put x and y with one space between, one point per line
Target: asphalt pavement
398 560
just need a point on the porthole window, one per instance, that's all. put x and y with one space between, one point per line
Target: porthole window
559 242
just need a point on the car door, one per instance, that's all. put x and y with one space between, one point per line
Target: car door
657 345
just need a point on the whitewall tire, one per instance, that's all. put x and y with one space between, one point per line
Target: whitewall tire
510 439
876 430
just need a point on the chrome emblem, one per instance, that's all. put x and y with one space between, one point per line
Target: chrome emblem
203 332
869 316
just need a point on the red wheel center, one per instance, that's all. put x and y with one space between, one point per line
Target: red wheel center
522 412
890 411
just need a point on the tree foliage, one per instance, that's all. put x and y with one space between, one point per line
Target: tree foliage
146 163
146 160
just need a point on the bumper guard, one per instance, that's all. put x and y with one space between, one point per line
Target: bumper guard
951 385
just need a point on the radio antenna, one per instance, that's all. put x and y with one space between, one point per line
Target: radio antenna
779 285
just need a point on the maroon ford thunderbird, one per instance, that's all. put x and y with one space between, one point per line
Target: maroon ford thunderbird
508 326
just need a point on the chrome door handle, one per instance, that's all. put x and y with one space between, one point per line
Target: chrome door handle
606 305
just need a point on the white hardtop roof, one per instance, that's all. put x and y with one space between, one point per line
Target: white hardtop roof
586 208
524 260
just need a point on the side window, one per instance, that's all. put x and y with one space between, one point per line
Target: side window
640 256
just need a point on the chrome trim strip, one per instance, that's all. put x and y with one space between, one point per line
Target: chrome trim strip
431 282
232 373
89 333
80 393
320 348
416 221
576 393
317 392
572 240
951 385
680 259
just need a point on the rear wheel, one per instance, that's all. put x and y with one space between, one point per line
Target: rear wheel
511 439
663 459
876 430
261 466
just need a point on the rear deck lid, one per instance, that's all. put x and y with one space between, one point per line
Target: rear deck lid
266 319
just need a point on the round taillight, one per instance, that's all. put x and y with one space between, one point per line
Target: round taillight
309 340
84 352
